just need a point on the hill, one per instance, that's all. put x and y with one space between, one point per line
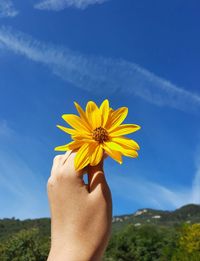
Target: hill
146 235
186 214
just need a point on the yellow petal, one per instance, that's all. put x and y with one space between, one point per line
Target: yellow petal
62 148
126 142
82 157
67 130
70 146
82 136
126 152
76 122
82 115
124 129
117 117
116 155
109 118
96 155
74 145
130 153
113 145
104 108
93 114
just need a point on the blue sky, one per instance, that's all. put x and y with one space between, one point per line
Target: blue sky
137 54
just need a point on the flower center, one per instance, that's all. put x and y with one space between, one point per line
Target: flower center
100 135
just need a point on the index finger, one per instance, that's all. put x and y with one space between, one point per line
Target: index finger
66 156
70 166
59 160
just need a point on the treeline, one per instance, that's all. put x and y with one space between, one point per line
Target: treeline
152 243
142 243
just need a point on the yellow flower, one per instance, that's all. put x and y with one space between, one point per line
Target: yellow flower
97 130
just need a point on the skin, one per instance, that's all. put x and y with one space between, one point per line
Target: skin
81 215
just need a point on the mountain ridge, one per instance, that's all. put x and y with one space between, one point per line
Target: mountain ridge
186 214
189 213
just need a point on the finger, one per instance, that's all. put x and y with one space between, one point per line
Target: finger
66 156
57 161
69 166
96 176
105 155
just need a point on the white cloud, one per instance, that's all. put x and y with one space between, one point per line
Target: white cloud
196 180
5 130
138 190
147 193
7 9
62 4
99 74
196 187
150 194
22 190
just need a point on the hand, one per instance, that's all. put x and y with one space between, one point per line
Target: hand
81 214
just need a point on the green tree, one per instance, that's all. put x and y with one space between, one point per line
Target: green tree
188 248
144 243
25 245
190 238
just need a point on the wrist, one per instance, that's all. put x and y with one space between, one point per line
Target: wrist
69 256
66 255
73 254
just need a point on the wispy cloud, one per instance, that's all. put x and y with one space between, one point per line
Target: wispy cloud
196 180
62 4
155 195
147 193
22 190
144 192
5 130
99 74
7 9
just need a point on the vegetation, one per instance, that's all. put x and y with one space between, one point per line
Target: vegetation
175 238
25 245
152 243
